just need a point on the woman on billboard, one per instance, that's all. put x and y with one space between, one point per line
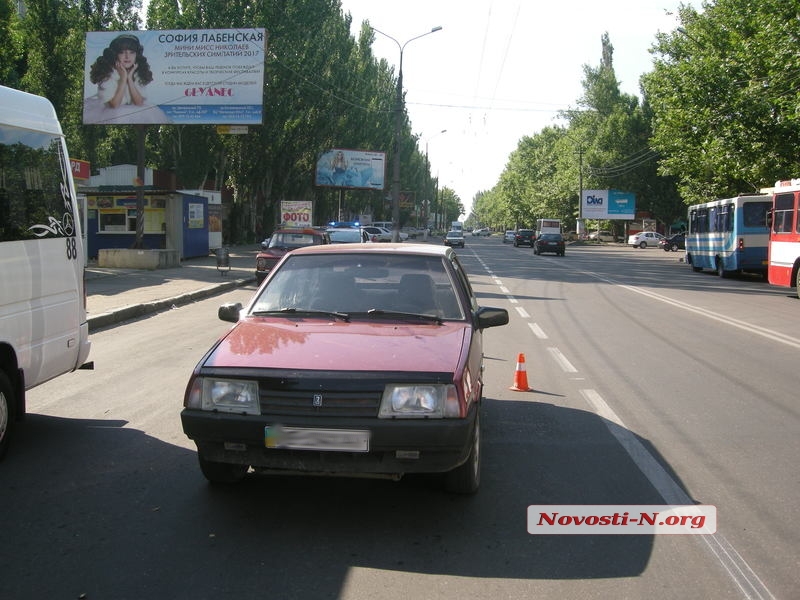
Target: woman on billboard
121 73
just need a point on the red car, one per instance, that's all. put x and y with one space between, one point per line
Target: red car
350 360
281 242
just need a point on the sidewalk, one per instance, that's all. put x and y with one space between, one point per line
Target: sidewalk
117 295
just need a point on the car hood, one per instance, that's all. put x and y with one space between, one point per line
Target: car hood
298 343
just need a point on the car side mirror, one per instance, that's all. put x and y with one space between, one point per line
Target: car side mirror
487 316
230 312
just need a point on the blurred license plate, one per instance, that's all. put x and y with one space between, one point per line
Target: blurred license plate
301 438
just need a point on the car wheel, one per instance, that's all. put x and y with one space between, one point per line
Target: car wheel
643 245
720 268
466 479
7 404
797 283
221 473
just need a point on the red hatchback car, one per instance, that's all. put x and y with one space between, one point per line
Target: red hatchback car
350 359
281 242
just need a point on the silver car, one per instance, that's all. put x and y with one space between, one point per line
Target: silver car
643 239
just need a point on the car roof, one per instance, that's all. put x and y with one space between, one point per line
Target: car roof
387 248
306 230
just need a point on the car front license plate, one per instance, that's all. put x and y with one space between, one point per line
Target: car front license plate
301 438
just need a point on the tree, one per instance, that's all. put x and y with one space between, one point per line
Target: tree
724 98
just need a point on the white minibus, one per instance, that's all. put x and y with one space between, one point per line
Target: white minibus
43 328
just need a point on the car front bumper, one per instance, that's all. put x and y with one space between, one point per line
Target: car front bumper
396 446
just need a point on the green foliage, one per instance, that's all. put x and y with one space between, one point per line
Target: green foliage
605 145
718 116
724 97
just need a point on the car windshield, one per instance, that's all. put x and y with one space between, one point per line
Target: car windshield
360 286
291 240
554 237
453 234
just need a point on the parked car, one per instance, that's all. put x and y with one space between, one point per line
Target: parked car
602 236
388 226
344 235
674 242
524 237
643 239
549 242
281 242
482 232
303 382
454 238
378 234
508 236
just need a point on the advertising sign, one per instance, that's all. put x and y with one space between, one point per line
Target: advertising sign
81 169
193 76
608 204
296 213
351 169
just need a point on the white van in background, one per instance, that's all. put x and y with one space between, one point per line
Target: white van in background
43 328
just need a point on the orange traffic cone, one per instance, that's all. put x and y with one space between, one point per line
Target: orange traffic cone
520 376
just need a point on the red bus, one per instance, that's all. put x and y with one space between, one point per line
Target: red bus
784 235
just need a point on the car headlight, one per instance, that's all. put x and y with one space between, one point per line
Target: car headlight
224 395
429 401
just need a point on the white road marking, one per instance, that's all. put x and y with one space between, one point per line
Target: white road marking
537 331
736 566
562 361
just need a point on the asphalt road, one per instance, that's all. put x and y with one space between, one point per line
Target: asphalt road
652 385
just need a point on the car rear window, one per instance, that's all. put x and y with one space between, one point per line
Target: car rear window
293 240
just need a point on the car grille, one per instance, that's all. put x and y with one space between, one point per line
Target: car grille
308 403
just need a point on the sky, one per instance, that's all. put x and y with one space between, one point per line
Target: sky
499 70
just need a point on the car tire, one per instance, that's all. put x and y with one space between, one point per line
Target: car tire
720 268
7 416
642 245
466 478
796 283
221 473
674 247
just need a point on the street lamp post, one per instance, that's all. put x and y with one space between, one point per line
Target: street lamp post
398 121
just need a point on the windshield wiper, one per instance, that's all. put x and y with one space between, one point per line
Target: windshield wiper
303 312
392 314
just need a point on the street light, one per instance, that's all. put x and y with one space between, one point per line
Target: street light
397 126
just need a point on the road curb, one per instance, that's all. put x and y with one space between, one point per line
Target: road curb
134 311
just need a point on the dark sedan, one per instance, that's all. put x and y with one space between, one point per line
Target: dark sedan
524 237
673 243
549 242
350 360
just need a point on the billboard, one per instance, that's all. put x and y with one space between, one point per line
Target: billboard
193 76
608 204
351 169
296 213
